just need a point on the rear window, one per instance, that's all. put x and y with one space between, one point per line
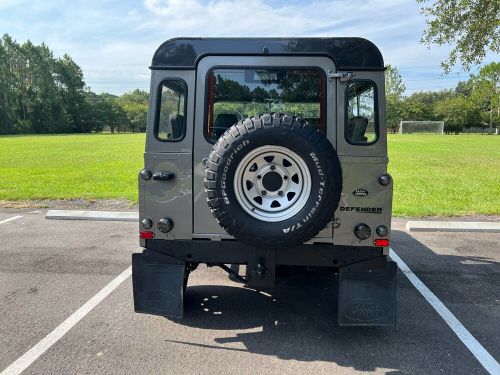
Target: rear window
234 94
361 124
171 111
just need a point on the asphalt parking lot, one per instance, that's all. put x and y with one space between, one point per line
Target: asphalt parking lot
49 269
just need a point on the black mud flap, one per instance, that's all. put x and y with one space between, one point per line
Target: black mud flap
158 284
367 293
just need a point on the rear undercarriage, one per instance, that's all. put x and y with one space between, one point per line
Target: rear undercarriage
366 277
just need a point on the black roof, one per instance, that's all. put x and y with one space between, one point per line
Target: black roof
347 53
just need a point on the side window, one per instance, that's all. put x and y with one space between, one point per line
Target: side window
171 111
361 123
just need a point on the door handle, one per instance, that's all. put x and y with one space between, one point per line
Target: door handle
163 176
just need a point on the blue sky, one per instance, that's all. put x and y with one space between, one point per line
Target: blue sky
113 40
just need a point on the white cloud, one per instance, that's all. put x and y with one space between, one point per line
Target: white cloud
258 18
394 26
114 40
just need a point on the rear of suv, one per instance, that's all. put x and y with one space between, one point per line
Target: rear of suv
266 153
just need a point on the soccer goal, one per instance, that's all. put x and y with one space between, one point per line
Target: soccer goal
433 127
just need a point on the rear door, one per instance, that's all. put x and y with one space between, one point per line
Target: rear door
169 152
362 149
232 88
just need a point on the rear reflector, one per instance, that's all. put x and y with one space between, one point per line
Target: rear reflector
146 234
381 242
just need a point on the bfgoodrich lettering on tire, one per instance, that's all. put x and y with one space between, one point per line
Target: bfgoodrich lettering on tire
273 181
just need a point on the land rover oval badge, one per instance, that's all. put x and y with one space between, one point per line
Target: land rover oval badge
360 192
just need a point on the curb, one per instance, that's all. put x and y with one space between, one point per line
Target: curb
411 226
452 226
92 215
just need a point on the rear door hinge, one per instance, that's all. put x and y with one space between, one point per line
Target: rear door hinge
344 76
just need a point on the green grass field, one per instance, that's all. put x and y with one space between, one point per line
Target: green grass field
70 166
445 175
434 175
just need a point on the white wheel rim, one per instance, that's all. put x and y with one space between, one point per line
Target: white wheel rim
272 183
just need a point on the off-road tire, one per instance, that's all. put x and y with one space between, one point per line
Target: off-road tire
296 135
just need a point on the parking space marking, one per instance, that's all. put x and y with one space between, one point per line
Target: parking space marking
10 219
44 344
481 354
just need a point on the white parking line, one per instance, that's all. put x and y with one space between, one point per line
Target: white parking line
44 344
10 219
91 215
485 358
453 226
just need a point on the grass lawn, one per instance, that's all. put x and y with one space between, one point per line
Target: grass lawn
434 175
445 175
70 166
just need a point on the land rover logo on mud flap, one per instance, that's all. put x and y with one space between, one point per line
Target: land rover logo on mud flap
366 310
360 192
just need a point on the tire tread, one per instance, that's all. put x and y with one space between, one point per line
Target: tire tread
260 123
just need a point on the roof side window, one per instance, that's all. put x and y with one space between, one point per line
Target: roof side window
234 94
171 111
361 123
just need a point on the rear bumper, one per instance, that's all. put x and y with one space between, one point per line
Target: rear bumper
235 252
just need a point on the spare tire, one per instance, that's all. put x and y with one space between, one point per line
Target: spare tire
273 181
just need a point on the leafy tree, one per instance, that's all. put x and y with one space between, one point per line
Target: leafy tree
38 92
420 105
105 110
394 90
7 84
43 104
135 105
470 26
394 85
457 112
486 93
228 89
259 94
94 114
464 88
300 86
71 88
109 112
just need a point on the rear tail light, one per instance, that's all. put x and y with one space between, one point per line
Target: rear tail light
381 242
146 234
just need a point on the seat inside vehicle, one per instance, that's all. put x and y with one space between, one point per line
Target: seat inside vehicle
356 129
177 123
224 121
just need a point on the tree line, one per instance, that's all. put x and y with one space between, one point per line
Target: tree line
40 93
474 103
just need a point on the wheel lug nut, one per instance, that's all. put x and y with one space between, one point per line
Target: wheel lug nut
259 176
273 167
280 193
264 192
285 177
